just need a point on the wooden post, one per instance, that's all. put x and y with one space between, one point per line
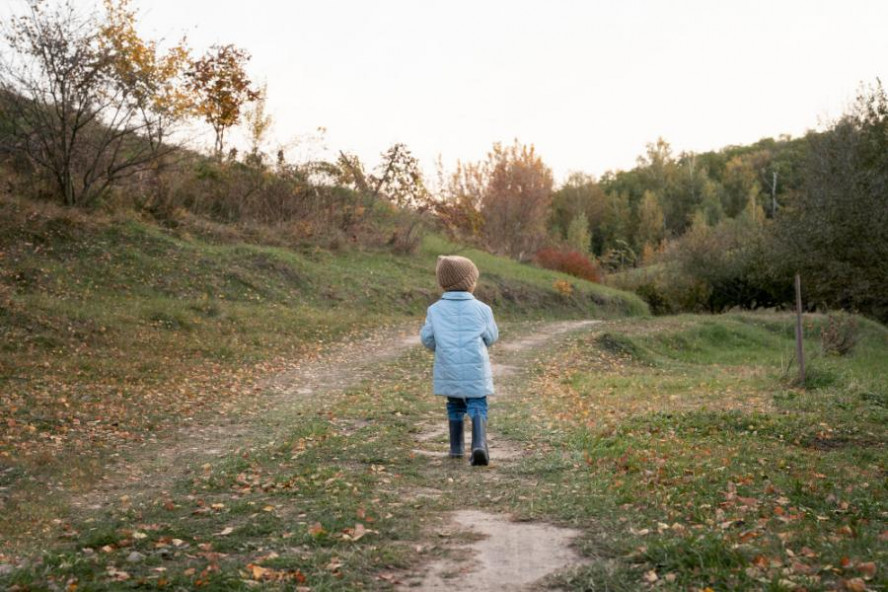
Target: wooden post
800 350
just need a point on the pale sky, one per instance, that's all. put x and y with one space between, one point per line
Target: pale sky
589 83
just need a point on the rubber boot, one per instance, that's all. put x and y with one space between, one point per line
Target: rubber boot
457 438
480 454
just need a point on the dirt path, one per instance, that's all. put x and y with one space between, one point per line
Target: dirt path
489 551
508 556
152 467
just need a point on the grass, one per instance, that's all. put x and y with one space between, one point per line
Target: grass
681 447
325 507
683 472
115 331
696 464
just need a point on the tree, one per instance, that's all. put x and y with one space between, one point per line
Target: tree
835 231
661 175
614 230
651 222
710 204
458 203
222 88
258 125
516 200
67 107
578 235
580 194
399 178
743 182
154 81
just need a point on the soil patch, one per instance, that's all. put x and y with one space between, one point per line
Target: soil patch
506 555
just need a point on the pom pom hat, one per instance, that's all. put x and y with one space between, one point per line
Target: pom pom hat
456 274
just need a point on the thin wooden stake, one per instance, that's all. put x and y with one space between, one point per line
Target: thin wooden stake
800 349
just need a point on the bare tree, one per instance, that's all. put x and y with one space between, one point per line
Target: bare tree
65 107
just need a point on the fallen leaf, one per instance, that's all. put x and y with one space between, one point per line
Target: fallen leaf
390 578
257 572
868 569
335 564
118 575
801 568
225 531
855 585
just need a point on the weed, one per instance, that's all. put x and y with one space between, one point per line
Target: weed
840 334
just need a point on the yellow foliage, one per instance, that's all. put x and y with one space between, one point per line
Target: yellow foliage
562 287
155 80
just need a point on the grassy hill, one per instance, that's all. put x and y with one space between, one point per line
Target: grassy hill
681 447
114 328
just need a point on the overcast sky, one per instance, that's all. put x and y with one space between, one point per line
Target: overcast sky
588 82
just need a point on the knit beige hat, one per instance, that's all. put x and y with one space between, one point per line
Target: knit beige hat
456 274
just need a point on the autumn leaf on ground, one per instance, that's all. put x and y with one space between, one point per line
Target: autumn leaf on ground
868 569
334 565
118 575
259 573
356 533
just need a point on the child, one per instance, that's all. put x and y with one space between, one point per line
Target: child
459 329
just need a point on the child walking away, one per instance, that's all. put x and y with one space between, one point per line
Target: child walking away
459 329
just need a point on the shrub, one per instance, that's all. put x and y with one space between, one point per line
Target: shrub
562 287
569 261
840 334
666 288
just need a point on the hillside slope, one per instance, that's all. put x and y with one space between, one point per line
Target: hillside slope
114 329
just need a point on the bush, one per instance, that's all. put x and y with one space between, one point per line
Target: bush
666 288
729 265
840 334
569 261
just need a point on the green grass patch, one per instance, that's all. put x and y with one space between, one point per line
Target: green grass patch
694 463
115 330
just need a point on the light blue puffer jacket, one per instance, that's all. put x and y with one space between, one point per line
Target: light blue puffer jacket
459 329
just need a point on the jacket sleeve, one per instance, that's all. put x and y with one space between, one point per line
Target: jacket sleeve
427 334
491 331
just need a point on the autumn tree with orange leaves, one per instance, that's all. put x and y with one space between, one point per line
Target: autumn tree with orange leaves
516 200
153 80
221 88
457 202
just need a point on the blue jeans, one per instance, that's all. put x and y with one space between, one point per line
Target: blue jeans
474 406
